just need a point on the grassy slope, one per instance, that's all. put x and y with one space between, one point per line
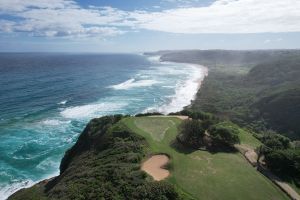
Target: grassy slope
248 140
209 176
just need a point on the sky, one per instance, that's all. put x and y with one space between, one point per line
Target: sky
147 25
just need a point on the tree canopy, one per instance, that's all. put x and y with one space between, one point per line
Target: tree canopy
224 133
191 133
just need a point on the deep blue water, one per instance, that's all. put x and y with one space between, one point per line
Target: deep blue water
47 99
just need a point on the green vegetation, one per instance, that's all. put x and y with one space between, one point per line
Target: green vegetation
157 128
103 164
223 58
223 134
281 157
208 134
275 141
256 89
268 97
259 90
191 133
284 161
205 175
247 139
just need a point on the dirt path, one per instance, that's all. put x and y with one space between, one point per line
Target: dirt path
249 153
251 156
153 167
282 185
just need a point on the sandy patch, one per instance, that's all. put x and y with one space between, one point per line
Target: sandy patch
154 167
249 153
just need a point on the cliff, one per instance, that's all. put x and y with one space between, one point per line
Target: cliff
103 164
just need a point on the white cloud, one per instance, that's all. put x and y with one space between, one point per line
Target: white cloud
65 18
6 26
227 16
267 41
59 18
22 5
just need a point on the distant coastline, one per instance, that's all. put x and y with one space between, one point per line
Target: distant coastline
187 91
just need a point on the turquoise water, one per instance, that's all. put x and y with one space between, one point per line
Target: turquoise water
47 99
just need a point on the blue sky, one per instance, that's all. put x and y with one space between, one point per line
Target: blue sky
144 25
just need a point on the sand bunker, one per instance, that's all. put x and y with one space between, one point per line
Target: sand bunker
153 167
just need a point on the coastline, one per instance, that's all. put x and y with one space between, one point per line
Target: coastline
26 184
186 92
196 82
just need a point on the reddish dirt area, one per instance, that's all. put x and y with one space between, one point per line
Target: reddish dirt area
154 167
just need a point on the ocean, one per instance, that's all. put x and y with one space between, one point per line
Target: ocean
46 99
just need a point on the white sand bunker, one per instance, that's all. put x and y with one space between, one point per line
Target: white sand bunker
153 167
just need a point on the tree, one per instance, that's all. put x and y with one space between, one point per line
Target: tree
225 134
285 161
191 133
275 141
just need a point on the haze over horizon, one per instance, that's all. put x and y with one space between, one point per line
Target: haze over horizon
141 25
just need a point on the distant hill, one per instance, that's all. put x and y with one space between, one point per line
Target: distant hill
265 96
224 57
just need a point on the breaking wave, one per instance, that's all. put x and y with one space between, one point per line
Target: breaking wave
132 83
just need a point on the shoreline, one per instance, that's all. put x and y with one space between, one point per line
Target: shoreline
198 80
182 98
28 184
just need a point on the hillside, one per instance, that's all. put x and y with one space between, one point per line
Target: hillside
105 163
202 174
213 58
257 89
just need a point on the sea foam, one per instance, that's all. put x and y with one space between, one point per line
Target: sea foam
185 91
91 110
62 102
162 86
132 83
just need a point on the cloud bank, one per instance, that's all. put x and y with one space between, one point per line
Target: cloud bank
66 18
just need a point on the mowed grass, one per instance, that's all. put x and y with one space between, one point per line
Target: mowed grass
248 140
203 175
154 126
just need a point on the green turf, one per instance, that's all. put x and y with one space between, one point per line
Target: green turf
248 139
219 176
153 125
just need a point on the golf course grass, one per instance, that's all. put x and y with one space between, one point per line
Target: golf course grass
201 174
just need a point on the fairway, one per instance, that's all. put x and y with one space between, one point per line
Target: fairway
203 175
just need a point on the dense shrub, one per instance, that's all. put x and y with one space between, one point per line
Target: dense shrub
191 133
279 155
266 97
148 114
275 141
224 134
156 190
103 164
284 162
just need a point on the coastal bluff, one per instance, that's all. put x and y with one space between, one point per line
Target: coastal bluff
104 163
